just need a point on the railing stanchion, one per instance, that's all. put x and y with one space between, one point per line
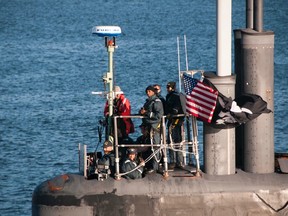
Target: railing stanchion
165 160
117 160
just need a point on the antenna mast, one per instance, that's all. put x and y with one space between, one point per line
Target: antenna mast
109 33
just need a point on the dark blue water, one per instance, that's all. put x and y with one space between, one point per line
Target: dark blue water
50 62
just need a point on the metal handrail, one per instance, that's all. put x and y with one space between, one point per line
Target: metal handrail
163 144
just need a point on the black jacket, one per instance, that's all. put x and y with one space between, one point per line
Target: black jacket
154 112
173 104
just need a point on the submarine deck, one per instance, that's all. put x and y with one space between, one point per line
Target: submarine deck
181 193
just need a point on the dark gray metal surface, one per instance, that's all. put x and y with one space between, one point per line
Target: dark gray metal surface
257 63
236 194
254 67
258 15
249 13
283 163
219 145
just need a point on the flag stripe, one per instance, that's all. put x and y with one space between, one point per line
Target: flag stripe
194 102
207 100
205 91
200 99
194 108
198 112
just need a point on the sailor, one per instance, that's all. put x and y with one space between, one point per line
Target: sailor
144 152
144 138
157 88
107 162
153 111
174 107
122 107
129 166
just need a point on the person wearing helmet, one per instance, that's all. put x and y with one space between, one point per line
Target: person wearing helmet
130 165
108 159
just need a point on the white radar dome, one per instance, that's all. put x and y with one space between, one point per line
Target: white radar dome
106 31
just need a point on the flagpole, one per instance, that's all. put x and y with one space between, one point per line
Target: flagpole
193 121
179 67
186 55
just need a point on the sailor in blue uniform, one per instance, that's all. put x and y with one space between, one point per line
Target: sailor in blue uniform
157 88
131 164
153 112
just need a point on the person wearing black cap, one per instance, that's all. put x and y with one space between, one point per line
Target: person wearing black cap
107 161
131 164
153 112
174 107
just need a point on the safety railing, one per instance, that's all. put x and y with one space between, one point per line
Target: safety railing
188 145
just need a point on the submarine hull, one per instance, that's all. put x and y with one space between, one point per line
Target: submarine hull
179 194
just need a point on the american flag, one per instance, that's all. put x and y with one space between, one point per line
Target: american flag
200 99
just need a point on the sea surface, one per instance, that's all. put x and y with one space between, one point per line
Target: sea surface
50 63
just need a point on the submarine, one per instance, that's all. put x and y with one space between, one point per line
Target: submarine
254 183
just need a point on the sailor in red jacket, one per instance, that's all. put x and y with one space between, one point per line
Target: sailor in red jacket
121 107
